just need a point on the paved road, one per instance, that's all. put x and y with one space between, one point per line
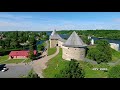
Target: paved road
15 71
40 64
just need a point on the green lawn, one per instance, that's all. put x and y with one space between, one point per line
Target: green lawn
51 51
89 73
52 68
115 55
3 58
27 60
13 61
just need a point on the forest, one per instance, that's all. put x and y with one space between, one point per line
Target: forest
20 40
111 34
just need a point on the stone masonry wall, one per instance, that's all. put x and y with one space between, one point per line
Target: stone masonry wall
53 43
73 53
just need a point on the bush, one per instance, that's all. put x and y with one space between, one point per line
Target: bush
71 71
32 74
40 47
6 52
114 72
100 53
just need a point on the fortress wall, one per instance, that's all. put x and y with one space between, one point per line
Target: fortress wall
114 46
53 43
60 44
73 53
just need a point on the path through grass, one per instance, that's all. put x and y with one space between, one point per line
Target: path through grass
51 51
55 65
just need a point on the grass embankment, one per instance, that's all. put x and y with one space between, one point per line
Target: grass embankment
115 55
16 61
55 65
51 51
27 61
5 60
90 73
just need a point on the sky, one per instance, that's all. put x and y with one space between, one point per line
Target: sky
48 21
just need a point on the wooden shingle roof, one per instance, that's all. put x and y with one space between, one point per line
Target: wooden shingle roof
74 41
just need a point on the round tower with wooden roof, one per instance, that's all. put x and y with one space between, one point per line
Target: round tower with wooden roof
74 48
54 37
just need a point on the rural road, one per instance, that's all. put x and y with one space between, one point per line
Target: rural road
40 64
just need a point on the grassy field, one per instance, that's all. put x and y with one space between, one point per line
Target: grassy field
54 66
13 61
115 55
51 51
3 58
89 73
27 60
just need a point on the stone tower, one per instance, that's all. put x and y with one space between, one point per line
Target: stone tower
74 48
54 37
92 41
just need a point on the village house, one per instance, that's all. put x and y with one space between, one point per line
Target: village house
20 54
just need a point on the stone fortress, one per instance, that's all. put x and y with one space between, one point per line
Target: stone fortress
72 48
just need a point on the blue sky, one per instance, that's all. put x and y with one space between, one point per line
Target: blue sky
40 21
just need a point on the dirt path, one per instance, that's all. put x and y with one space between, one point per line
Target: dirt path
40 64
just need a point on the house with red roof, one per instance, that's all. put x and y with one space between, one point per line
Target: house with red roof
20 54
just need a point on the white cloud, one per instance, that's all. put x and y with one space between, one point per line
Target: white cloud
28 22
116 20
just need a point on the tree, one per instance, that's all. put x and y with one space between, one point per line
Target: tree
31 52
71 71
85 39
40 47
114 72
105 51
100 53
32 40
32 74
2 44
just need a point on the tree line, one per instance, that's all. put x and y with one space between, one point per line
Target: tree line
20 40
111 34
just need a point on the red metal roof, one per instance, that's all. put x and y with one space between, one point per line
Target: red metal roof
20 53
